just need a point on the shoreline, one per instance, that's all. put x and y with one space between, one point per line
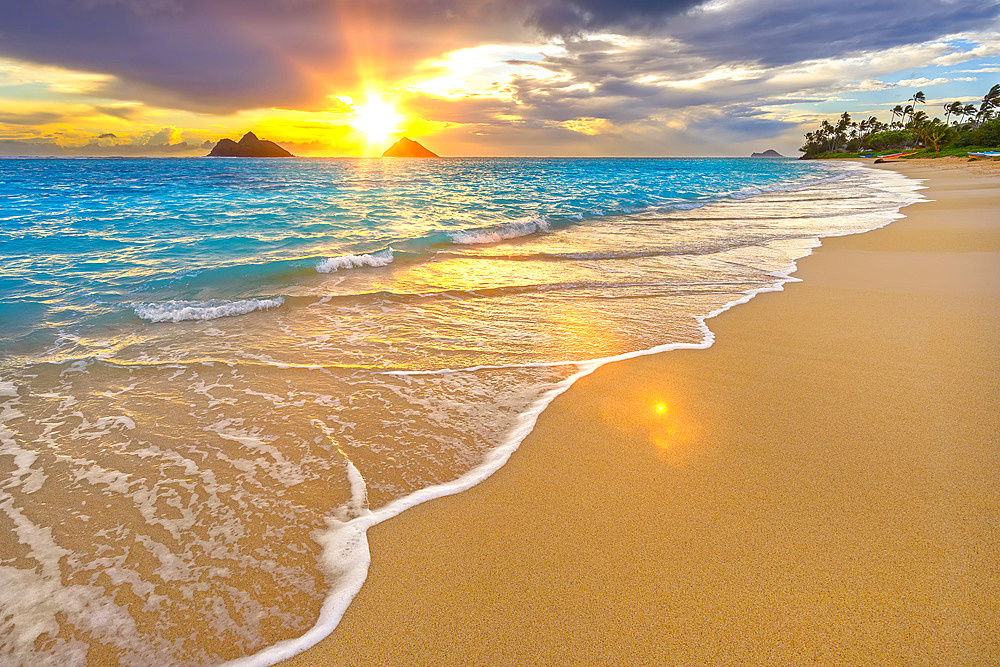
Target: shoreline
344 539
415 570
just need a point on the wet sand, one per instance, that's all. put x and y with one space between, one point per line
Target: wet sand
819 486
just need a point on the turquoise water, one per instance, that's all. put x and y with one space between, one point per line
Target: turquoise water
211 369
84 241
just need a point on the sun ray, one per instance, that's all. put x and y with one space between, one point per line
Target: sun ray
376 119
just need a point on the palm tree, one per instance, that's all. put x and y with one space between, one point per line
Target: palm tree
868 127
991 100
812 145
855 134
907 111
952 108
984 114
896 110
918 98
934 133
969 111
827 132
993 97
917 119
840 131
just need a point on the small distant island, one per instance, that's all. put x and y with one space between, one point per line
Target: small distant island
768 153
408 148
248 146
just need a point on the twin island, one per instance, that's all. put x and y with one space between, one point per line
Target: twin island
251 146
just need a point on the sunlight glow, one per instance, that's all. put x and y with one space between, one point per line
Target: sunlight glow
376 119
483 71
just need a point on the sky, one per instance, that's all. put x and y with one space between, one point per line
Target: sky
476 77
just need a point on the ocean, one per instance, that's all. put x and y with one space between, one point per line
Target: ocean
215 374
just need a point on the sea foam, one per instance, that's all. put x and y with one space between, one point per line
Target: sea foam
179 311
346 553
446 372
504 232
331 264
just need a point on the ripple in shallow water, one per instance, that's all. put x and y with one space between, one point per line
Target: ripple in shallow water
168 482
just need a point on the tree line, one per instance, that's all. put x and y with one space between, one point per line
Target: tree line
909 128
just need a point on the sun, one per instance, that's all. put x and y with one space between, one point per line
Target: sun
376 119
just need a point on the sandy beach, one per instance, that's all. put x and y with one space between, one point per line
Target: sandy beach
819 486
503 332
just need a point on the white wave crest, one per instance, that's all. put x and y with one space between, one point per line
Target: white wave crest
509 230
179 311
331 264
801 184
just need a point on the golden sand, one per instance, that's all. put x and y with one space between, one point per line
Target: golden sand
822 485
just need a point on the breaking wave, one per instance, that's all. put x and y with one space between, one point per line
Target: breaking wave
180 311
509 230
331 264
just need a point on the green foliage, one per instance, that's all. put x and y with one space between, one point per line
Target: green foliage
881 141
970 127
934 133
953 151
987 134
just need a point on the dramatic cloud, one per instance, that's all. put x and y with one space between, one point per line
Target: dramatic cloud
100 147
125 112
780 32
568 17
34 118
222 55
537 76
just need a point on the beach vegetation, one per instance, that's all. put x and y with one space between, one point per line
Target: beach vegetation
969 111
887 139
952 108
965 127
933 133
896 111
918 98
948 150
987 134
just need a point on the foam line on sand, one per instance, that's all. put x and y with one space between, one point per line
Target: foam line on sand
819 485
